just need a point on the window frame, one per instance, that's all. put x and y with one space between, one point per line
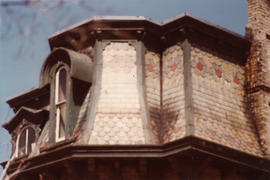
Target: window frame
58 104
26 151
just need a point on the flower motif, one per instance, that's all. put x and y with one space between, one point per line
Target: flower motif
212 132
173 66
199 66
250 144
237 79
217 71
152 65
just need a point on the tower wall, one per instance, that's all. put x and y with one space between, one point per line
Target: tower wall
219 104
121 115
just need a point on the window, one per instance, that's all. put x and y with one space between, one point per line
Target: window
26 141
268 36
60 103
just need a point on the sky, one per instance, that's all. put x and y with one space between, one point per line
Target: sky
24 36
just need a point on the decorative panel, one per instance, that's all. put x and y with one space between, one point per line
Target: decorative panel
219 102
173 123
118 118
152 89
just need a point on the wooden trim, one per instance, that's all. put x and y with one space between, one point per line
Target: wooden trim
26 96
140 62
188 88
258 88
187 145
195 29
59 103
95 92
26 151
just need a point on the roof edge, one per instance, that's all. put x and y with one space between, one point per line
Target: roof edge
190 143
8 125
104 18
142 18
34 92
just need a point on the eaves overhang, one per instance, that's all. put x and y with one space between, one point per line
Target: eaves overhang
191 146
156 36
30 115
32 94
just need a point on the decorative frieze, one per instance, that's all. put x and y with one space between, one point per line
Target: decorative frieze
217 69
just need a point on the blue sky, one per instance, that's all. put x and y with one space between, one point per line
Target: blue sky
22 53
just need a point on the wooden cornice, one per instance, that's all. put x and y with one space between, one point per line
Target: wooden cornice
155 36
191 146
32 95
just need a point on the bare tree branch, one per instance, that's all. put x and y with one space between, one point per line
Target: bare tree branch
35 3
14 3
23 21
25 18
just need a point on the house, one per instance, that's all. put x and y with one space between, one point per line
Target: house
129 98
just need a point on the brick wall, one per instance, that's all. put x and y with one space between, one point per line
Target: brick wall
173 122
257 29
258 69
219 102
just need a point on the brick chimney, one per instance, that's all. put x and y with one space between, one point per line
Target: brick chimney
258 69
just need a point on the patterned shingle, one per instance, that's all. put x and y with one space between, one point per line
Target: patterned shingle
152 89
219 103
118 117
173 122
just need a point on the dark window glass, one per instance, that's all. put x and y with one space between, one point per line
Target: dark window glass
31 139
62 85
62 120
22 142
27 138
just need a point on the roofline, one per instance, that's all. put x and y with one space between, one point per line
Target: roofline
29 91
216 26
32 92
104 18
23 109
156 36
142 18
174 18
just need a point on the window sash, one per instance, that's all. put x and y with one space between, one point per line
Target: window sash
24 140
59 137
60 104
60 94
